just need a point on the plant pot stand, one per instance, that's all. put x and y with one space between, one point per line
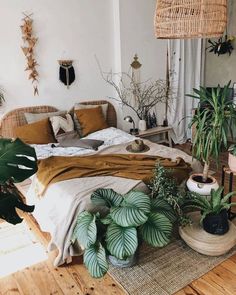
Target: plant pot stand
231 175
201 241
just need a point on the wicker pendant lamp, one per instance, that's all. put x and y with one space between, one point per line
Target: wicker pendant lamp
175 19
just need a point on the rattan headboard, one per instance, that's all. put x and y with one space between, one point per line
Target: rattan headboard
16 117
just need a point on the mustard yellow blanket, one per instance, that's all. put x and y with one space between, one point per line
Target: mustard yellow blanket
140 167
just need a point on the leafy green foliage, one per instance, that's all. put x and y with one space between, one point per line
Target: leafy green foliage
95 260
213 119
116 232
165 189
214 205
17 161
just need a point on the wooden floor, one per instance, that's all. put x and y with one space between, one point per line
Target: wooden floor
44 279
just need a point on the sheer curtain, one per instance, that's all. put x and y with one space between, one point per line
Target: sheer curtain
186 67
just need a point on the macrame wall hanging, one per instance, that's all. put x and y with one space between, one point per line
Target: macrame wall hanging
28 49
66 72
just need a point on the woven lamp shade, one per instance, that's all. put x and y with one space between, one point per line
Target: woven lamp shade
176 19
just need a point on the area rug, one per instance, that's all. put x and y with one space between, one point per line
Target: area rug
165 271
19 248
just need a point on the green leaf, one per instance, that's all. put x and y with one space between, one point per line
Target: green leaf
157 230
85 230
18 160
161 206
122 242
95 260
133 210
106 220
106 197
216 197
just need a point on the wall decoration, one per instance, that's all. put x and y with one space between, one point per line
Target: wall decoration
221 46
28 49
66 72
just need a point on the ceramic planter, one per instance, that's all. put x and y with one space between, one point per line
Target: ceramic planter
232 162
194 184
128 262
216 224
142 125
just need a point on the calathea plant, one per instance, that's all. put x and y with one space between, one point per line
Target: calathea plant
127 219
17 162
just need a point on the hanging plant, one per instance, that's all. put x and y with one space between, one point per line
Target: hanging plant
221 46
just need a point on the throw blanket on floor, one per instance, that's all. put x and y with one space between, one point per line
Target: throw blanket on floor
140 167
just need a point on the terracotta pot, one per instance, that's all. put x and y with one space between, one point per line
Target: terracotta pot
232 162
195 184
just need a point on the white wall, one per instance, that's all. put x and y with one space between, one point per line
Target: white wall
78 30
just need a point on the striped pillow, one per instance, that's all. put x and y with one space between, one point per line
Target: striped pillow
61 124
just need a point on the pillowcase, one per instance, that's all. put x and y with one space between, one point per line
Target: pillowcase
91 120
80 106
32 117
61 124
36 133
72 139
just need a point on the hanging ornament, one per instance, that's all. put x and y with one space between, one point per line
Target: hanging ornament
28 50
66 72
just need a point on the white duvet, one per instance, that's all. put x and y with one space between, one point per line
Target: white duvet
56 211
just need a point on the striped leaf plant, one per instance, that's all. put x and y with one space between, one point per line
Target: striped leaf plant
127 219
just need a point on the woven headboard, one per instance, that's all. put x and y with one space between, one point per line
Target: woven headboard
16 117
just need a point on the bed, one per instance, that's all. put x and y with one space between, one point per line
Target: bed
57 209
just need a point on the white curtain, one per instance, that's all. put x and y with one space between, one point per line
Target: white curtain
186 67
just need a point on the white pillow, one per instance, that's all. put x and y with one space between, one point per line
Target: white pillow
34 117
61 124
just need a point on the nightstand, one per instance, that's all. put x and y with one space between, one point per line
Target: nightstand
158 130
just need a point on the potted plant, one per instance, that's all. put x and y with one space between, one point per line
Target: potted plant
214 217
232 157
125 221
17 162
213 120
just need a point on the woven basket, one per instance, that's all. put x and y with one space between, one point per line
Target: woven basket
175 19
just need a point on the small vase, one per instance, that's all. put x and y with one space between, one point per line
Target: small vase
142 125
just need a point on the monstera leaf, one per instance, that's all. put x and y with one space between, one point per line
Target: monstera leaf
122 242
95 260
18 160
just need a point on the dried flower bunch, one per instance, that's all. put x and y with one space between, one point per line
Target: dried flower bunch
28 49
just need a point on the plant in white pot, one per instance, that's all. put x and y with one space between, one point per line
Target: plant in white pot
213 121
232 157
214 217
117 225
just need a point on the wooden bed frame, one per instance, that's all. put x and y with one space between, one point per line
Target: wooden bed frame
16 117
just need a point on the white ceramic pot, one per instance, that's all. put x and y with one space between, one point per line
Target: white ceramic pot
142 125
203 189
232 162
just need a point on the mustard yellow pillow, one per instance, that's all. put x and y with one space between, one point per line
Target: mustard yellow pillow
91 120
39 132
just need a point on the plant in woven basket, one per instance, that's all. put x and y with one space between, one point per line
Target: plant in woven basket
17 162
213 210
127 219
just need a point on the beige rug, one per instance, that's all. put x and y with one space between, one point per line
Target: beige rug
19 248
165 271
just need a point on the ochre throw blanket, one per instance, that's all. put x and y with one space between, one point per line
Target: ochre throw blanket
55 169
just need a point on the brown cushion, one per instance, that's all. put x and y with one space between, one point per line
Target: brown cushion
91 120
36 133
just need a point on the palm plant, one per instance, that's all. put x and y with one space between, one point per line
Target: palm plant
213 120
17 162
116 232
